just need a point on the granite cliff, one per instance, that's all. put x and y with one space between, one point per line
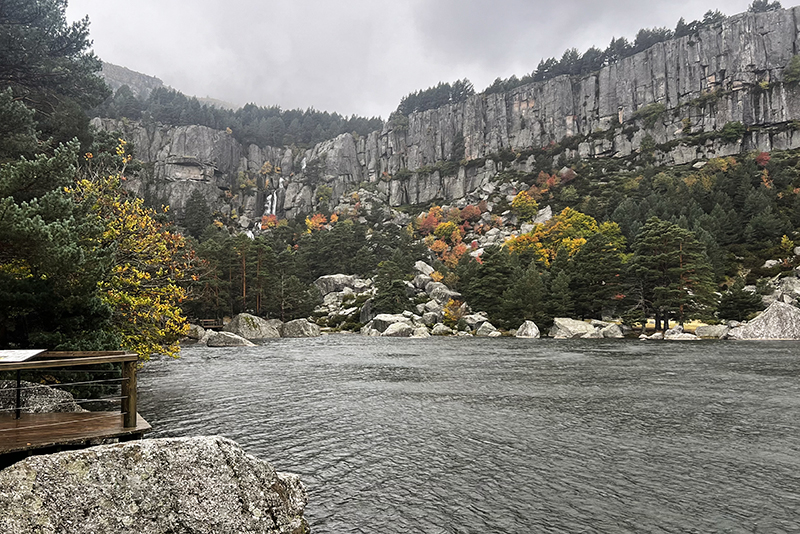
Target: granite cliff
718 92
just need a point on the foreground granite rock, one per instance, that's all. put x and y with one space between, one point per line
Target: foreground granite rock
779 321
200 485
252 327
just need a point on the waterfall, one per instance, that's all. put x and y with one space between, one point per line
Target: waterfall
271 202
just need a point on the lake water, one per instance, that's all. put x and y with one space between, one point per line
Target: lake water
468 435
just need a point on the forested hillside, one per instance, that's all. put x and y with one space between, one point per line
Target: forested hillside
663 208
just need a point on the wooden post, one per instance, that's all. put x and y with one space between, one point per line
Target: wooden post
129 394
18 410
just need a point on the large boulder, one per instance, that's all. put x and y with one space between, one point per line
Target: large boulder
36 398
779 321
433 306
441 330
486 329
398 330
672 335
252 327
431 318
300 328
227 339
423 268
385 320
368 312
441 293
195 332
334 283
528 330
421 280
421 332
565 328
475 320
197 485
612 331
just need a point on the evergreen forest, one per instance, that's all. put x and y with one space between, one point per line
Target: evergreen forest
86 265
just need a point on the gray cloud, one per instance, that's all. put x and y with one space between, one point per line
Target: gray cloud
356 56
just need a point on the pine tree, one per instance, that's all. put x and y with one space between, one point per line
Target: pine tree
670 272
560 302
49 67
391 294
595 272
196 214
50 267
737 304
524 299
493 277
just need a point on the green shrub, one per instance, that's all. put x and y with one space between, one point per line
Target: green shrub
791 74
650 114
403 174
732 132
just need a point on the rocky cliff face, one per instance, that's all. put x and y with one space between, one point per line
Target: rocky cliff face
670 101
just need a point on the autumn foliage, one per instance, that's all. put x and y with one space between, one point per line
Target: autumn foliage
149 261
269 221
315 222
565 232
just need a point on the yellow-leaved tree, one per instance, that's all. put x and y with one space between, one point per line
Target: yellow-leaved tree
149 261
566 232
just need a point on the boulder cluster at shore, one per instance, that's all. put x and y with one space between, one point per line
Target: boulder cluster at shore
243 329
348 305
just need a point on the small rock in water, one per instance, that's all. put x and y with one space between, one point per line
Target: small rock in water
227 339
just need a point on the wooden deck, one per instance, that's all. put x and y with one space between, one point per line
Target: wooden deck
24 433
44 430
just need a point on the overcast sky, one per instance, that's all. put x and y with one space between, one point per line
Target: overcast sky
357 56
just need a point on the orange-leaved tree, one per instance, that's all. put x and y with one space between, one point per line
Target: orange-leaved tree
315 222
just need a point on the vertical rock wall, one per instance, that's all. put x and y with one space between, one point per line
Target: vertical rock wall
729 72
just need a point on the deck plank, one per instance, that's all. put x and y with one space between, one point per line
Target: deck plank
40 430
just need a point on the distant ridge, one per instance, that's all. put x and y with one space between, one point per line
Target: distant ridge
221 104
140 84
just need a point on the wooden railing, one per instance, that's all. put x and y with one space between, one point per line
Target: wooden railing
53 359
210 324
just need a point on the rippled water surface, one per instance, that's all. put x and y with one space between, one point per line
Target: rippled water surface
449 435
